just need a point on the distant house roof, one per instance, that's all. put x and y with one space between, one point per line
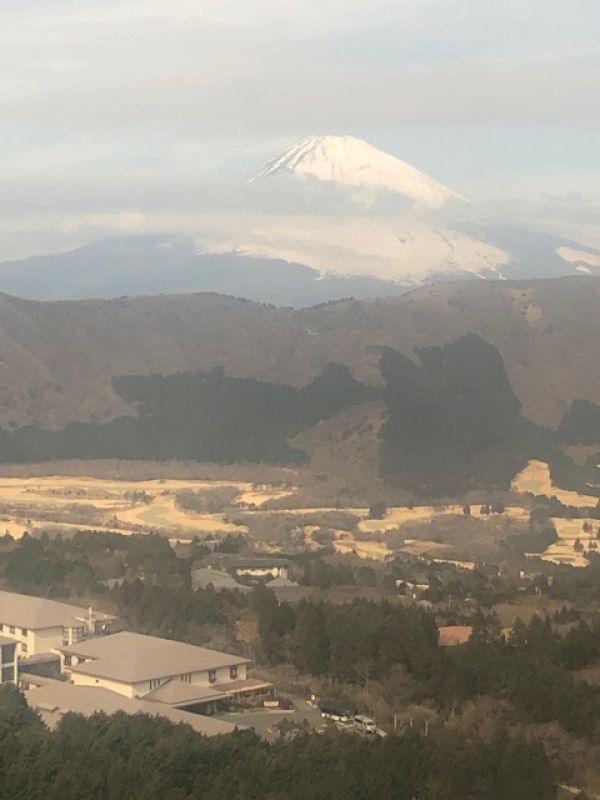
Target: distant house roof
33 613
204 576
281 582
451 635
133 657
56 698
257 562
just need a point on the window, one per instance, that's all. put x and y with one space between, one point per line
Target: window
155 683
8 674
212 675
187 678
23 647
23 631
12 628
233 673
8 653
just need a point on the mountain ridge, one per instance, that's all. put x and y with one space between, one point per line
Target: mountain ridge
58 359
332 217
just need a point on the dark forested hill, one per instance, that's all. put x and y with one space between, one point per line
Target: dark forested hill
528 352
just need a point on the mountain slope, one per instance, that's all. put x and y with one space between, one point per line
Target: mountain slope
332 217
58 360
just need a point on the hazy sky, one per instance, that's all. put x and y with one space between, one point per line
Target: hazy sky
123 113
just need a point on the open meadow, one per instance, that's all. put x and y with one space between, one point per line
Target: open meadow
277 515
121 506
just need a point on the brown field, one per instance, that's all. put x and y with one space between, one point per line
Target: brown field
376 551
569 530
399 516
535 478
79 503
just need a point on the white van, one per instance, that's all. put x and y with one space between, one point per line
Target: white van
365 725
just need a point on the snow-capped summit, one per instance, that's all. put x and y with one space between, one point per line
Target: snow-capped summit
353 162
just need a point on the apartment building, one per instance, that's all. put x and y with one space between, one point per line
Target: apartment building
38 625
174 673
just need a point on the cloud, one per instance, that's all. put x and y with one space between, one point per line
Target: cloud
234 68
109 106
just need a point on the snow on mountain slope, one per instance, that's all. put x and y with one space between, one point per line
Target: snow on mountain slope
403 250
582 260
353 162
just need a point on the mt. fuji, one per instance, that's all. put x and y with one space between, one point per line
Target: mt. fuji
331 217
353 162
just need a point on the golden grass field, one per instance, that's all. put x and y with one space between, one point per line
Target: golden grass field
106 504
67 503
569 530
399 516
536 478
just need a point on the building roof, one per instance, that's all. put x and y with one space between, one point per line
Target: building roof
244 685
33 613
281 582
204 576
133 657
258 562
57 698
178 693
451 635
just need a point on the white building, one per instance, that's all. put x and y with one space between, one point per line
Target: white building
259 567
39 625
176 674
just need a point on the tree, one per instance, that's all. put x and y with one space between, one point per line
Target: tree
310 646
524 772
378 509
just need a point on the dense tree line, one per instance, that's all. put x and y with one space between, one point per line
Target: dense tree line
581 423
203 416
360 641
453 421
144 758
87 562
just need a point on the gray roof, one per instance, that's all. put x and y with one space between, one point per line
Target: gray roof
33 613
281 582
204 576
133 657
177 693
258 562
57 698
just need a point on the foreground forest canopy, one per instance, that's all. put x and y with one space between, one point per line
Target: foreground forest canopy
146 758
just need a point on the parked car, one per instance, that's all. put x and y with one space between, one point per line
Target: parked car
365 725
336 713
